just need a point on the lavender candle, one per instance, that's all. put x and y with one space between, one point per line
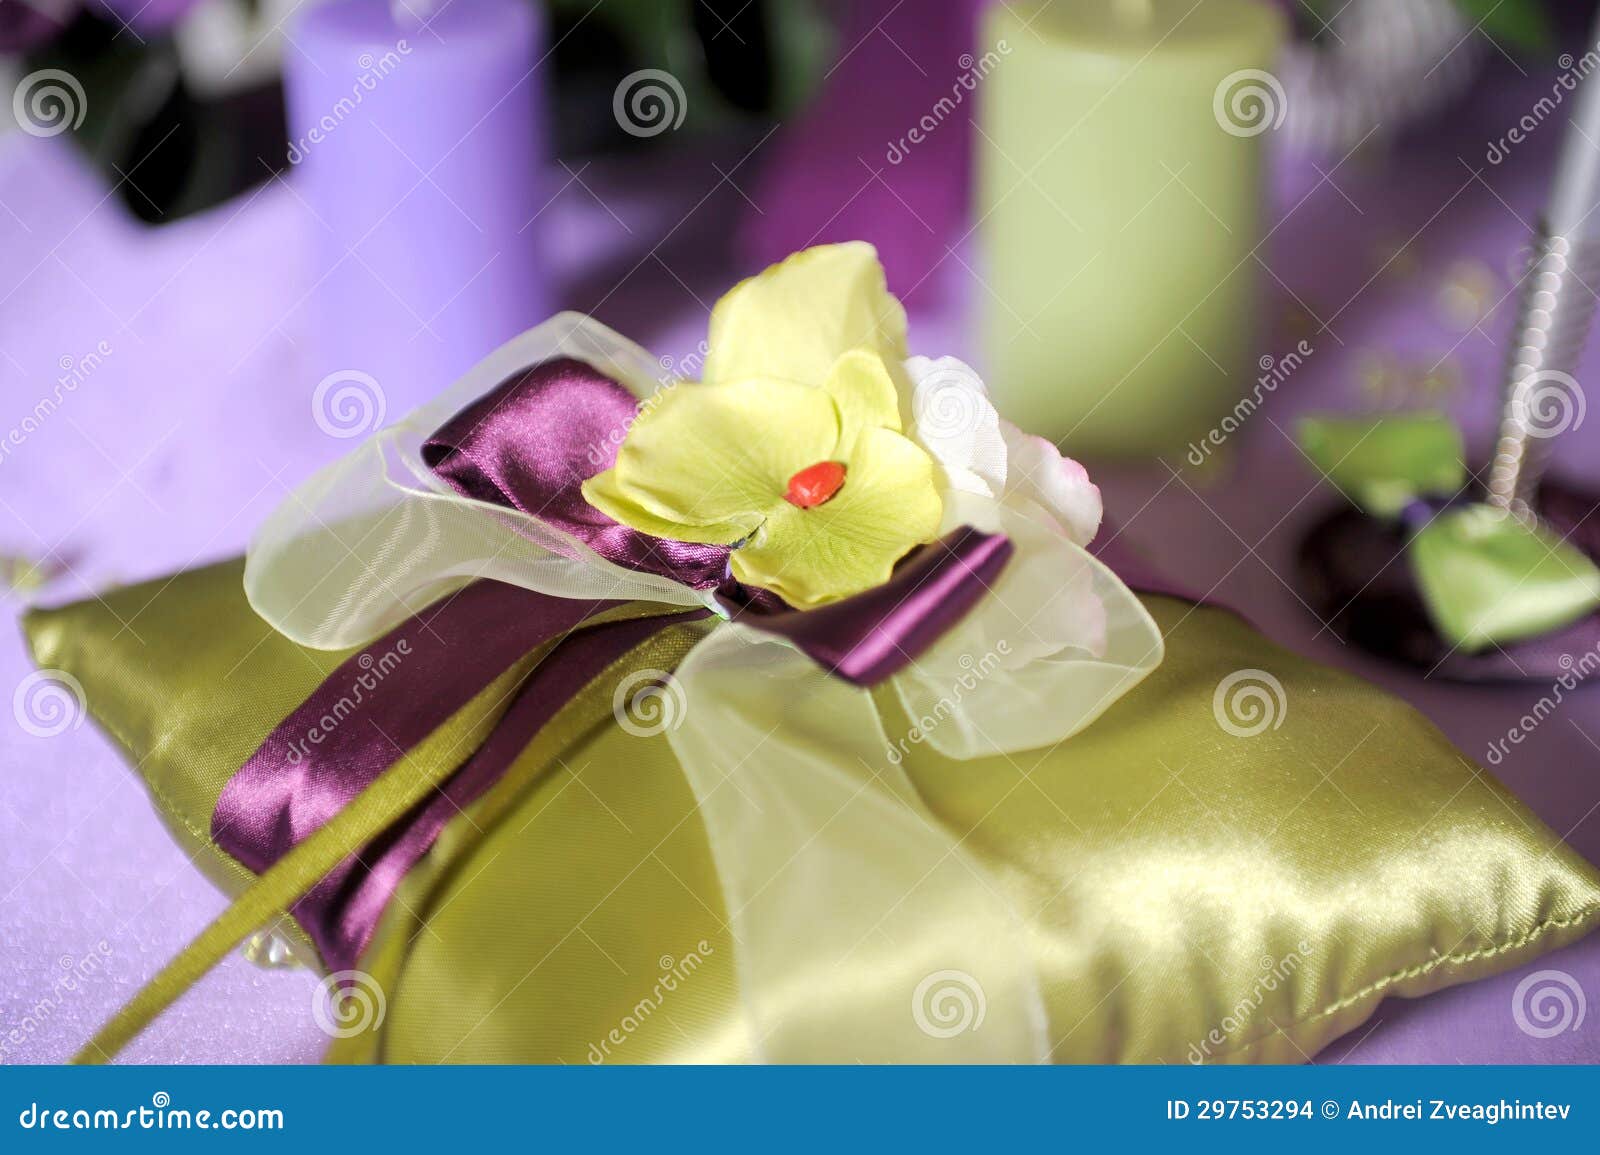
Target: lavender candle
417 140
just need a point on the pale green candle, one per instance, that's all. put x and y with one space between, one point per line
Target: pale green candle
1120 198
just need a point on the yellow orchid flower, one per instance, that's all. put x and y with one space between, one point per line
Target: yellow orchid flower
793 320
792 449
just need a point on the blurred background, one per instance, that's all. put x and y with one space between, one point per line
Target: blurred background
237 235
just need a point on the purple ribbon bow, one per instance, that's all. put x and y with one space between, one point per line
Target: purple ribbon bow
529 444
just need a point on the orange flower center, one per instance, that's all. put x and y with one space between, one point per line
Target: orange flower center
815 484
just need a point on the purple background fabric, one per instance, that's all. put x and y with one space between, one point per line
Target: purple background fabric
838 175
195 423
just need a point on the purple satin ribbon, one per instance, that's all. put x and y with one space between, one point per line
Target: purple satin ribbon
529 444
373 709
876 634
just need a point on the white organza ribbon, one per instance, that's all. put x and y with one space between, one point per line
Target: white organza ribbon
864 930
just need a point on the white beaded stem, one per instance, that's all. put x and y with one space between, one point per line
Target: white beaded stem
1557 306
1553 320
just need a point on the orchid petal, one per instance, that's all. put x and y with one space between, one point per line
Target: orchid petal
714 456
865 394
1037 471
887 507
793 320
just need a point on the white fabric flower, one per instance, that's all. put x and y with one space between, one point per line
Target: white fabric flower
981 454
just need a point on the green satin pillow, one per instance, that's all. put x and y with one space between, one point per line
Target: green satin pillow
1203 884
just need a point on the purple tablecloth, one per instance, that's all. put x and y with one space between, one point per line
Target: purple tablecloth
197 418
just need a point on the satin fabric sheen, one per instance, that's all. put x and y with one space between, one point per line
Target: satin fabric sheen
528 444
871 637
356 725
532 441
1183 886
441 659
